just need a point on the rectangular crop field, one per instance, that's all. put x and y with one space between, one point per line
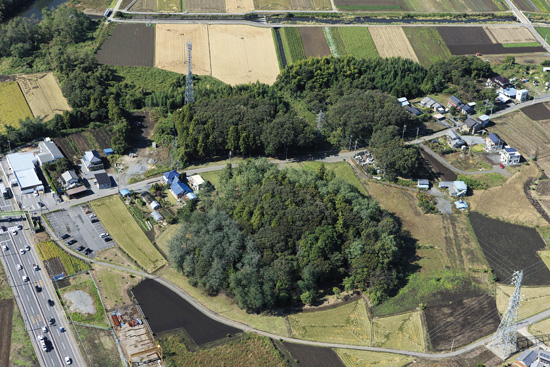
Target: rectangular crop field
537 112
239 6
272 5
451 6
357 42
533 301
200 6
145 5
13 106
169 5
242 54
392 42
541 5
525 5
362 358
510 247
125 231
427 44
292 5
292 44
49 250
43 94
509 35
371 5
314 41
129 45
310 356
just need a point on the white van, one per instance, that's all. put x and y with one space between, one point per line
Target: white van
104 234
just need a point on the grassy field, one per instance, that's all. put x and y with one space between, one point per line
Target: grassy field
100 346
115 255
362 358
427 44
540 328
542 5
125 231
349 324
518 210
13 105
534 300
545 256
49 250
213 177
113 286
357 41
492 179
169 5
340 169
162 240
292 44
543 31
251 350
84 283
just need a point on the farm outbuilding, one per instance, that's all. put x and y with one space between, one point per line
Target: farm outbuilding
196 182
402 101
415 111
461 205
125 192
108 151
157 216
423 184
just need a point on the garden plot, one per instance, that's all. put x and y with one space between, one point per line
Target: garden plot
392 42
243 54
171 49
314 41
74 145
202 6
537 112
239 6
427 44
43 94
363 358
510 247
145 5
13 106
356 41
310 356
509 34
129 45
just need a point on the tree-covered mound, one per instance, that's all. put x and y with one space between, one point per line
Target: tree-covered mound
275 237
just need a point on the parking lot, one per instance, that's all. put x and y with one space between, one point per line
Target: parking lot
76 223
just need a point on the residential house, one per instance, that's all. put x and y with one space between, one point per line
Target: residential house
439 117
69 178
423 184
500 82
454 102
471 126
503 98
168 177
196 182
509 156
509 92
179 189
402 101
458 188
467 110
431 103
415 111
103 181
454 140
522 95
461 205
535 357
493 142
49 152
483 120
92 161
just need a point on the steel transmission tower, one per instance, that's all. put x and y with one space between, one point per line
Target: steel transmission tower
504 342
189 93
320 118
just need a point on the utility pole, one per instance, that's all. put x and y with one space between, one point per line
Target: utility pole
355 146
350 142
417 131
230 153
404 128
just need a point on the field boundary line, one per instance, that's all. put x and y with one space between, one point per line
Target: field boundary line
93 326
209 47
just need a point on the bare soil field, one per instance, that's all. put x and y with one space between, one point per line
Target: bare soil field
243 54
166 311
54 267
6 312
510 247
43 94
464 320
74 146
171 49
314 41
134 339
129 45
199 6
440 171
543 188
392 42
310 356
509 34
537 112
470 40
239 6
524 5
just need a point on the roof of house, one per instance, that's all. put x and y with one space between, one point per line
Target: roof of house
156 215
69 175
180 188
453 135
125 192
91 156
461 205
438 116
501 80
470 122
108 151
402 99
460 185
510 92
424 181
50 147
544 354
414 110
455 100
426 100
21 161
528 356
483 118
191 196
495 138
76 190
196 179
168 176
511 151
102 179
467 108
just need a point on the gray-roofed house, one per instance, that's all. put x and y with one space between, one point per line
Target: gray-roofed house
454 140
471 126
415 111
49 152
509 156
103 180
431 103
467 110
69 178
528 358
493 142
423 184
454 102
92 161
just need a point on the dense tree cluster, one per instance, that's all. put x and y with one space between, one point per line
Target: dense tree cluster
9 8
288 234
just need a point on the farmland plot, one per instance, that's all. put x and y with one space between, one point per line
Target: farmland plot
372 5
525 5
537 112
43 94
129 45
243 54
199 6
509 34
427 44
452 5
145 5
314 41
362 358
292 44
310 356
168 5
392 42
357 42
13 106
534 299
239 6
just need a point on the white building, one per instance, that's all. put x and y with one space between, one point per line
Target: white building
196 182
49 152
522 95
509 156
23 166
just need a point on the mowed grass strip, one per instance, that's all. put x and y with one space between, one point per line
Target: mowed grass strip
522 44
125 231
543 31
427 44
292 44
13 105
357 42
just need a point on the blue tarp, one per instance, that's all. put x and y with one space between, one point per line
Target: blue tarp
108 151
462 205
125 192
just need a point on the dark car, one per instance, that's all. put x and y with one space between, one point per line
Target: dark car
37 288
65 236
107 239
81 248
4 228
50 302
88 251
95 220
72 242
52 321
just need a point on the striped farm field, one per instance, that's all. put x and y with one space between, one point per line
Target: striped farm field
43 94
125 231
427 44
13 106
292 44
357 42
506 35
49 250
314 42
392 42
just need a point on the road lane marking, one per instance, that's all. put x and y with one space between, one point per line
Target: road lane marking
41 284
32 319
38 318
28 299
63 344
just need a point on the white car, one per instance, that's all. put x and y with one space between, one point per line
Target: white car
22 251
36 193
5 248
104 234
25 278
28 248
13 232
93 216
68 360
19 267
45 329
40 337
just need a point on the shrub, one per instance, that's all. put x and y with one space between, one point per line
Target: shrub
427 203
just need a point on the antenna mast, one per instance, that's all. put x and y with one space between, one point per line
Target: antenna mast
189 93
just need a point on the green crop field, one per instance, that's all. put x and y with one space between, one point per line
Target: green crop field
13 105
357 42
292 44
521 44
427 44
361 358
542 5
125 231
544 32
49 250
169 5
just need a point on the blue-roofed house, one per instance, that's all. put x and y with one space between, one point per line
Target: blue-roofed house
458 188
92 161
169 176
509 156
493 142
190 196
461 205
179 189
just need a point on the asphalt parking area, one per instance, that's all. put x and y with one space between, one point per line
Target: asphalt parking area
76 223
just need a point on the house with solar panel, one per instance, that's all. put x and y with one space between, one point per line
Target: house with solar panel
509 156
493 143
533 358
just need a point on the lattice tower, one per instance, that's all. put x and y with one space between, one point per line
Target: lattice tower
189 93
320 118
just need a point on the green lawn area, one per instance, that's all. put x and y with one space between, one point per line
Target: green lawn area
13 105
357 42
213 177
163 239
544 32
126 232
427 44
292 44
524 44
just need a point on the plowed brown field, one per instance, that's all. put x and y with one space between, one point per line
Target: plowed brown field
314 41
43 94
392 42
